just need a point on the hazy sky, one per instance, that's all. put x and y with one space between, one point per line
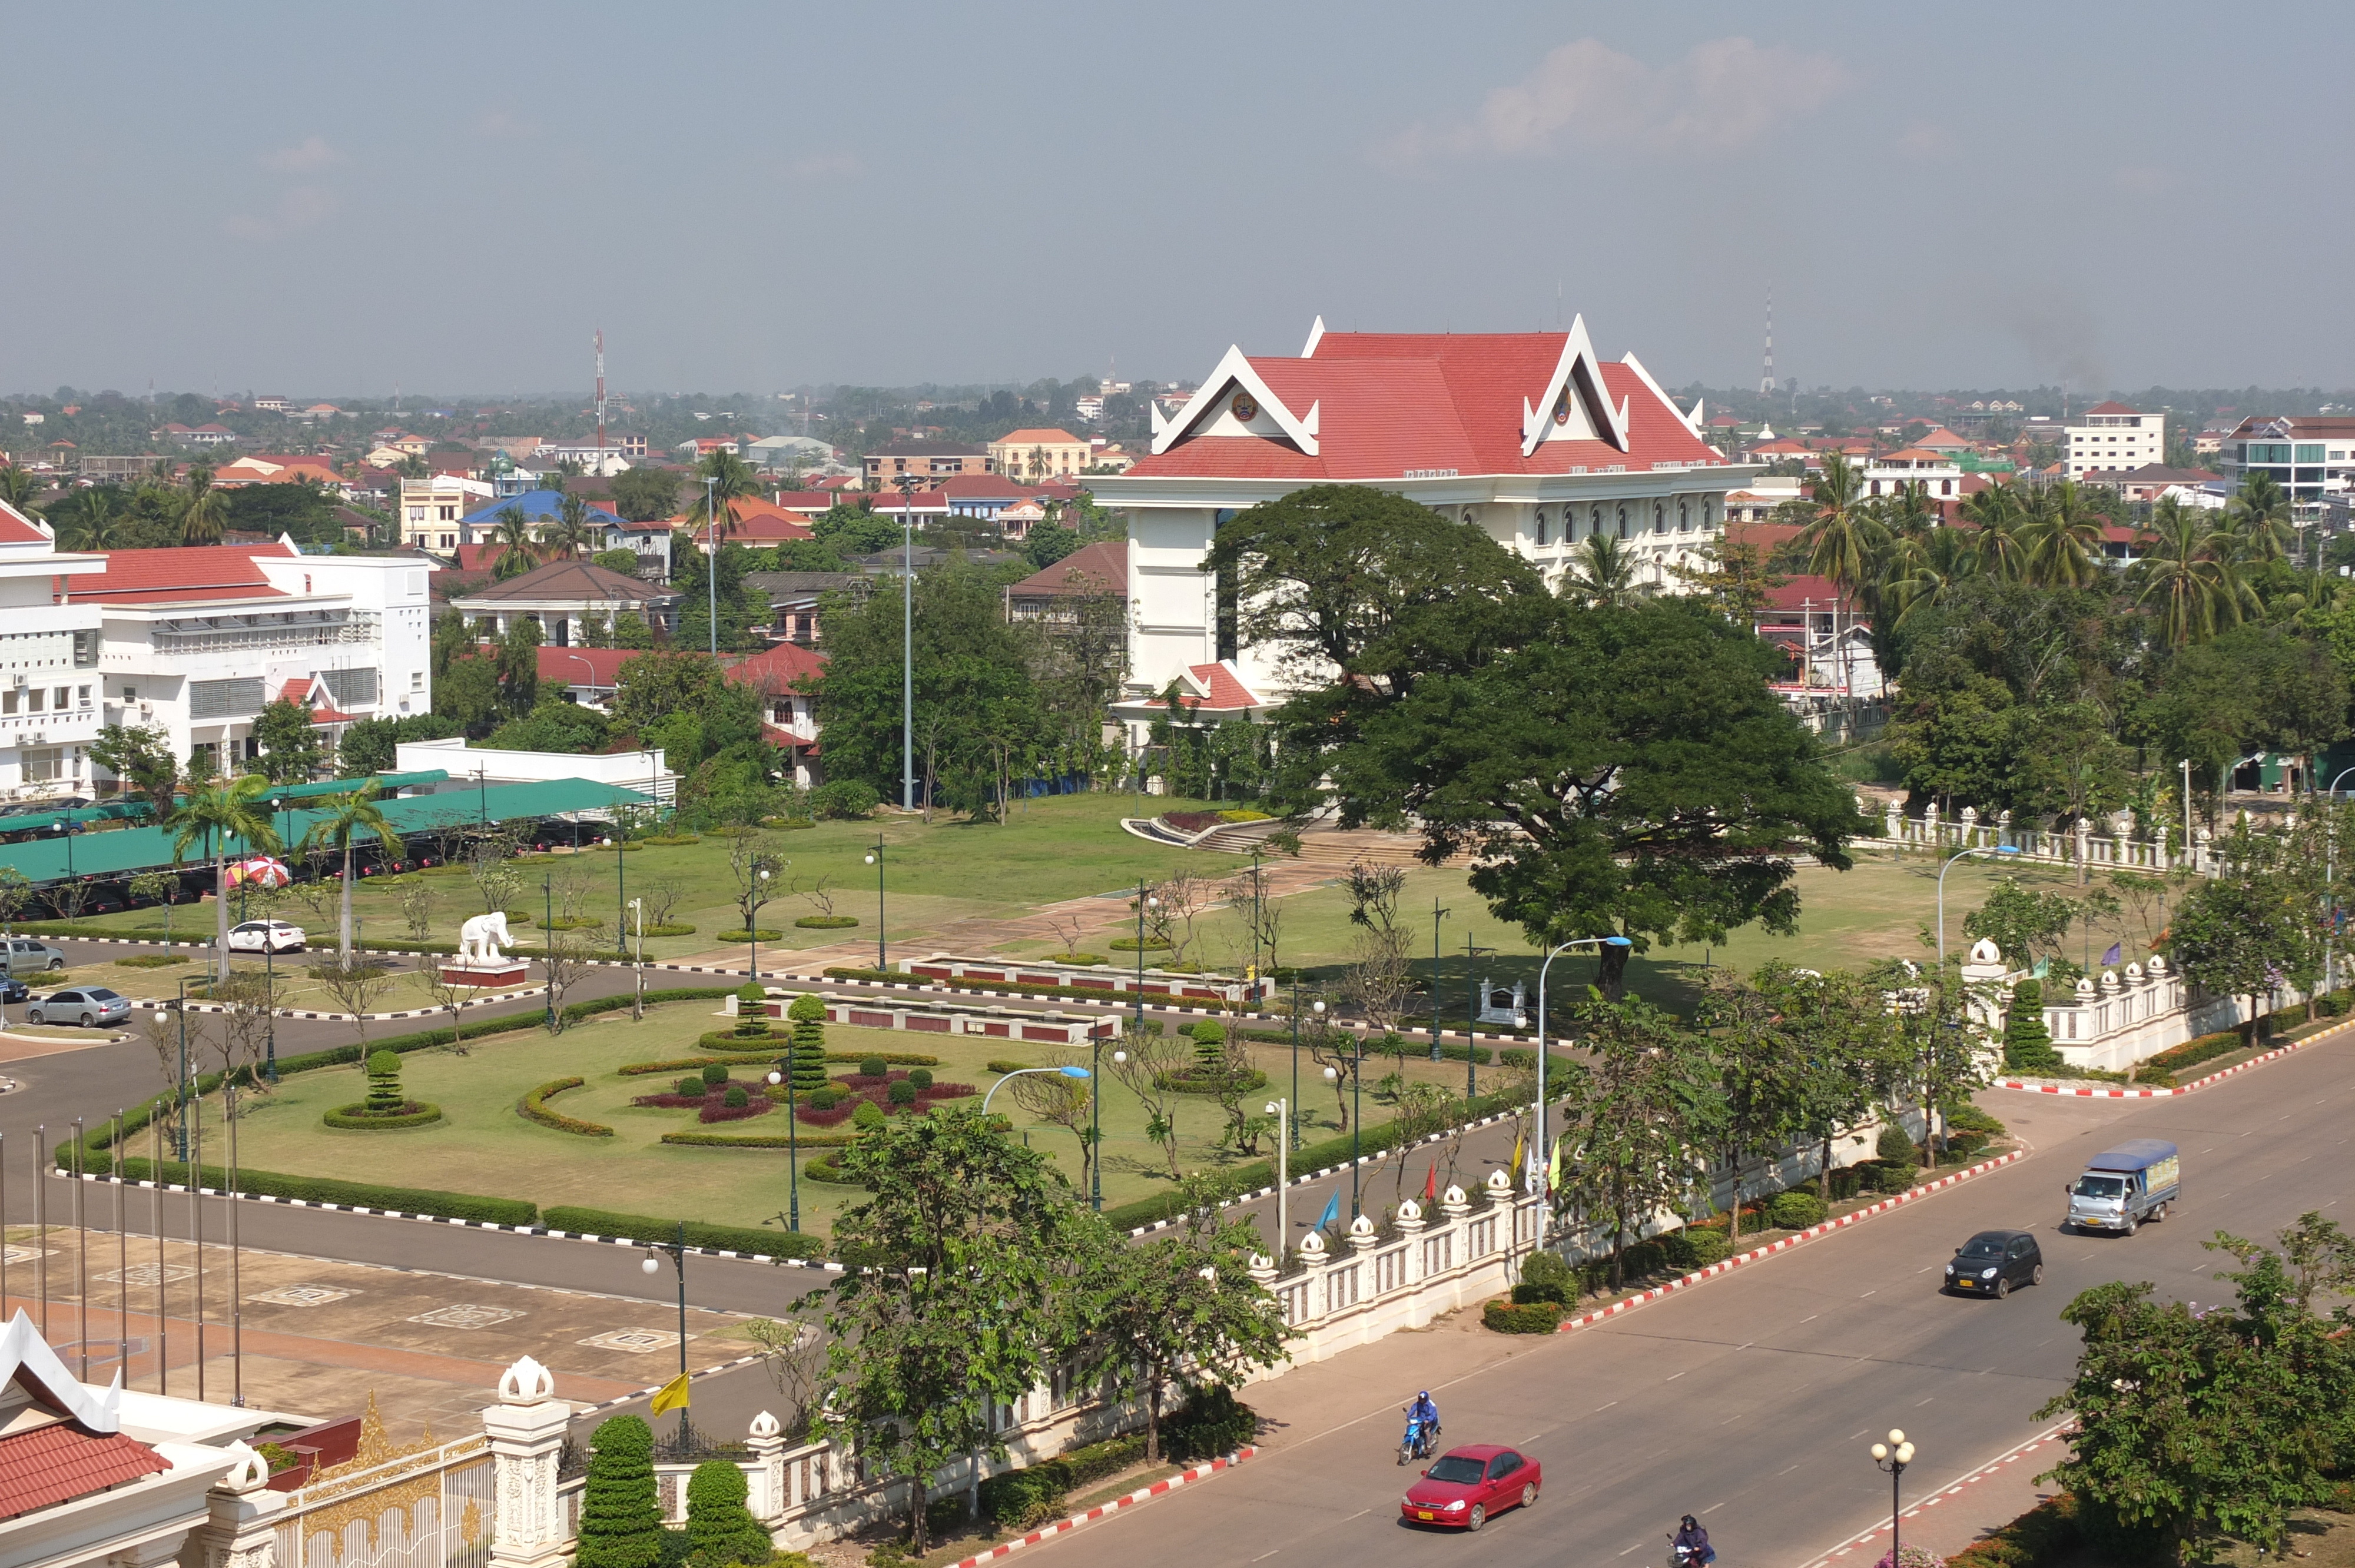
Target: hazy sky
329 199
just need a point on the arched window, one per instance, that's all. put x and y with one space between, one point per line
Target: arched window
1659 516
1541 528
1622 520
1594 521
1684 516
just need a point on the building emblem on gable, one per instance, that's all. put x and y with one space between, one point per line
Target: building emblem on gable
1561 408
1245 405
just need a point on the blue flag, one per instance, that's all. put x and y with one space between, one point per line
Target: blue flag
1332 1214
2113 954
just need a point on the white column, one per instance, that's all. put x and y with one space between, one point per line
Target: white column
767 1471
241 1527
527 1431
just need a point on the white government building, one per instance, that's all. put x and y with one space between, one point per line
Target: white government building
1528 435
194 640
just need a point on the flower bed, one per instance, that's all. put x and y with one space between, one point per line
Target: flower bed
357 1118
834 1116
717 1109
826 922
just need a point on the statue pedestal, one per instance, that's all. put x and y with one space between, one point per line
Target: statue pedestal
506 972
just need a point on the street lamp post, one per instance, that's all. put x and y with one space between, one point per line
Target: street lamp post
180 1090
1437 915
1893 1456
1544 1109
875 859
1282 1111
638 1005
1958 855
1095 1095
751 931
783 1072
652 1265
1069 1070
907 642
547 951
1296 1040
2329 888
711 564
1472 1013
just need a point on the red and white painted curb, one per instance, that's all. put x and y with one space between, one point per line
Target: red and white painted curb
2044 1087
1141 1495
1878 1533
1910 1195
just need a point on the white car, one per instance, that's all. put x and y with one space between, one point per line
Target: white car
265 936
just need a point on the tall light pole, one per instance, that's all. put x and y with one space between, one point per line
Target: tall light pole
652 1265
1282 1111
711 564
783 1072
1472 1014
1544 1108
2329 887
638 1005
1958 855
875 859
2187 810
1437 915
1893 1456
1069 1070
907 641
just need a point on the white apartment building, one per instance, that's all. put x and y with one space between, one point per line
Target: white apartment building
49 664
2113 436
196 640
2310 456
1526 435
1937 472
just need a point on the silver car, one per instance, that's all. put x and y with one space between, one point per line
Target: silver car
90 1006
28 957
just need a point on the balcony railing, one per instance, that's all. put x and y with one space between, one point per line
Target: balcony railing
198 636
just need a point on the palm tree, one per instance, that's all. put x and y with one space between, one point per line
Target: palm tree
1843 535
1996 512
2062 536
211 815
17 489
1601 572
96 526
1930 567
570 530
2260 515
2195 588
347 818
205 512
512 530
731 479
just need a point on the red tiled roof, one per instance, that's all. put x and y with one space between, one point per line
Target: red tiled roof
15 528
1807 593
1103 567
60 1462
1389 402
183 571
584 666
323 711
2110 409
969 486
1223 693
1915 454
784 668
1037 437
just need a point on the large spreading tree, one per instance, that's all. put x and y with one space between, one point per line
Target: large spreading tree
1617 769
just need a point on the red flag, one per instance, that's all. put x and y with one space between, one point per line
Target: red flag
1430 1184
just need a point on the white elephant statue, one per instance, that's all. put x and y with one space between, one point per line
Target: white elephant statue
479 939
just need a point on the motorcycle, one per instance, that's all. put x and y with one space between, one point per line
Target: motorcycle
1686 1557
1418 1441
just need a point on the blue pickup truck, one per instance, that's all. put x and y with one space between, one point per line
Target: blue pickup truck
2139 1179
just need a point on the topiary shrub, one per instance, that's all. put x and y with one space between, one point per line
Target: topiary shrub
2027 1044
621 1525
868 1117
752 1011
824 1098
873 1068
719 1528
901 1092
1795 1211
844 800
1695 1247
737 1097
1210 1423
1846 1181
384 1097
922 1077
1895 1147
1546 1277
714 1073
691 1087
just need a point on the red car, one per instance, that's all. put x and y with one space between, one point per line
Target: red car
1464 1485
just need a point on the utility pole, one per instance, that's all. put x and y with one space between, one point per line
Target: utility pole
1437 915
907 641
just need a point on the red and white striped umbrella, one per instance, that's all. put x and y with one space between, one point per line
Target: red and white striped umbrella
259 872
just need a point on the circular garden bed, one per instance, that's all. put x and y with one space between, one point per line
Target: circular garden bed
826 922
357 1118
758 934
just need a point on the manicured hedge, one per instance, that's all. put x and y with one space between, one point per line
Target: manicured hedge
1069 993
1186 1084
1524 1318
356 1118
646 1228
1033 1496
826 922
2190 1053
758 934
358 1194
534 1108
758 1139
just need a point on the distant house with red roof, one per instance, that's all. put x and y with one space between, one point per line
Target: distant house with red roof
1530 436
787 677
1049 595
1038 454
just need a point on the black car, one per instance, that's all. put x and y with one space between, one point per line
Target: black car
14 990
1992 1262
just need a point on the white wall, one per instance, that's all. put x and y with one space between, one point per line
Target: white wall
643 771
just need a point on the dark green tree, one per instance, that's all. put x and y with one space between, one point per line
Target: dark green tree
1645 1110
140 758
621 1523
645 494
291 748
2027 1044
954 1295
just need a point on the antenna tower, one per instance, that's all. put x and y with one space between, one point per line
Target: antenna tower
601 402
1766 377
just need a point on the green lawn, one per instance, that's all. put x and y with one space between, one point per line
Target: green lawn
485 1147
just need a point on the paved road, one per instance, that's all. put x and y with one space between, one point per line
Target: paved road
1751 1400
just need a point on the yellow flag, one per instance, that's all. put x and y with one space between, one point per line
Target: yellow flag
1517 1157
673 1395
1553 1169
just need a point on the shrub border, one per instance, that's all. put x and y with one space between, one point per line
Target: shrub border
353 1118
533 1106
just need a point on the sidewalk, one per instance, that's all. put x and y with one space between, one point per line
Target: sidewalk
1970 1510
